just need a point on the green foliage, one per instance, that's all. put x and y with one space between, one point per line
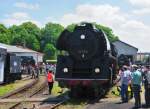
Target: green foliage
4 35
108 31
49 36
54 29
71 27
50 33
18 35
27 34
50 51
43 40
32 29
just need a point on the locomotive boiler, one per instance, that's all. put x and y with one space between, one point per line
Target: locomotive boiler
87 60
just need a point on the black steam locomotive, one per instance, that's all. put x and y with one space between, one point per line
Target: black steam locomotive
89 61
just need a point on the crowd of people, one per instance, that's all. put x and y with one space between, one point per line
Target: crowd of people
35 69
134 77
31 69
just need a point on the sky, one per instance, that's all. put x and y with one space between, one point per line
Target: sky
129 19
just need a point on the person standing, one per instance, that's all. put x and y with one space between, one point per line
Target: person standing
136 84
125 77
29 68
37 70
32 69
50 79
47 67
147 86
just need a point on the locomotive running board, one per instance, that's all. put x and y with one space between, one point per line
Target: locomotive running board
80 79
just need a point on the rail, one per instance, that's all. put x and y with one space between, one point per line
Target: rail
34 93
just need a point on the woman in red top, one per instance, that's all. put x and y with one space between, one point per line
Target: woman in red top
50 79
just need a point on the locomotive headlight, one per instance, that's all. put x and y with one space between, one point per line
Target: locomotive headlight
97 70
65 70
82 36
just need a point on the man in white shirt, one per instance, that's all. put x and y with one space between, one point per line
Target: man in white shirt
125 77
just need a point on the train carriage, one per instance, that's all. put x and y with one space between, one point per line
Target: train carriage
10 66
3 53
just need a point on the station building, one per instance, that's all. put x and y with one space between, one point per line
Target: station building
23 52
126 49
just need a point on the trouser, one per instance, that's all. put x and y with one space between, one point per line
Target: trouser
124 92
131 96
137 96
147 96
33 74
50 86
37 73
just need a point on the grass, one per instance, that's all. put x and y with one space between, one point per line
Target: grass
56 89
113 92
6 89
12 86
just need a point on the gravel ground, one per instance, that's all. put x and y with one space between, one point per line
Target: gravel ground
113 102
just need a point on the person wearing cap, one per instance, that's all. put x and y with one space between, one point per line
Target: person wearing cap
125 77
136 85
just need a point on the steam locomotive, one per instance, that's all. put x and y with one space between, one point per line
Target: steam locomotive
87 60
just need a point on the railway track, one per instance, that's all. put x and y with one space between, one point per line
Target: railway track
20 90
26 91
54 105
39 103
42 86
24 98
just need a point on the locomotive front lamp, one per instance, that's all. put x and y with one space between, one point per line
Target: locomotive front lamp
65 70
82 36
97 70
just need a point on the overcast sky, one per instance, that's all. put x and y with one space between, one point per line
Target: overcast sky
129 19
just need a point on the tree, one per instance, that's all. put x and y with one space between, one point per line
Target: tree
71 27
4 34
27 35
50 33
108 31
43 40
19 35
32 29
49 51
